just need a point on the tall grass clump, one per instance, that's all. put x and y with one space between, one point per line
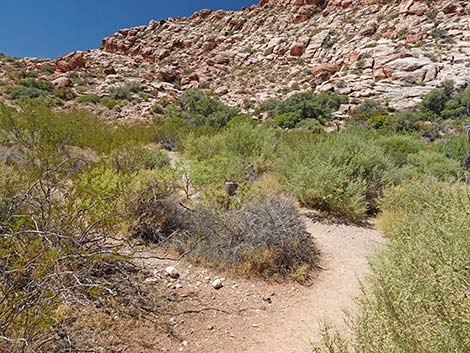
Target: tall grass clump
341 173
416 298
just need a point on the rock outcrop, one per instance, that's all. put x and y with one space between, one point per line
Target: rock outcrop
388 50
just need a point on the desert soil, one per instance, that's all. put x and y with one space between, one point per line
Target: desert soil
255 316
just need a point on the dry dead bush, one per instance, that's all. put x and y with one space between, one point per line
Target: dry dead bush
266 238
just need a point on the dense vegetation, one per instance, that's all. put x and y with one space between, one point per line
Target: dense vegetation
70 183
417 299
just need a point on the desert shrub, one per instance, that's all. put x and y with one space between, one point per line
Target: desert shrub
434 102
153 214
456 147
125 92
303 106
404 121
37 127
10 184
30 88
265 238
417 295
198 107
88 98
368 109
342 173
241 153
60 201
109 102
399 147
53 255
378 122
132 157
64 93
458 106
171 132
311 125
427 164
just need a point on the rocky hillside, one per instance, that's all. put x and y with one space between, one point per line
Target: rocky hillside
394 51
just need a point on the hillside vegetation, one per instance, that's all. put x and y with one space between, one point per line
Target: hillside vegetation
417 296
75 191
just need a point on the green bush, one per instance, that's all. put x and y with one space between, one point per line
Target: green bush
110 103
456 147
241 153
131 158
431 165
399 147
198 107
125 92
64 93
368 109
458 106
88 98
417 295
342 173
302 106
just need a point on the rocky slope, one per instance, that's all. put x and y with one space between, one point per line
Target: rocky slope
394 51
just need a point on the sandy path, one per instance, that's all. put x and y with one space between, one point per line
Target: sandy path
345 252
241 318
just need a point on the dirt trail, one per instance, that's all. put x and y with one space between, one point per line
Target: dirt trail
345 252
254 316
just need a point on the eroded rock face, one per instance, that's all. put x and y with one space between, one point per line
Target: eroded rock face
71 62
387 50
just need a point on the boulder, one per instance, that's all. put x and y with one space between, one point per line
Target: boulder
172 272
70 62
168 74
109 70
368 29
304 13
62 82
297 49
407 64
217 284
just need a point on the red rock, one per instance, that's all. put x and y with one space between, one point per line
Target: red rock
168 74
297 49
322 72
109 70
209 45
70 62
418 8
368 30
453 7
413 38
304 13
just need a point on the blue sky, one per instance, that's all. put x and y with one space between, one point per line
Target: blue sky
50 28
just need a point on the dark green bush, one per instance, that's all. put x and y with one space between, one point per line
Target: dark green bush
433 103
198 107
303 106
